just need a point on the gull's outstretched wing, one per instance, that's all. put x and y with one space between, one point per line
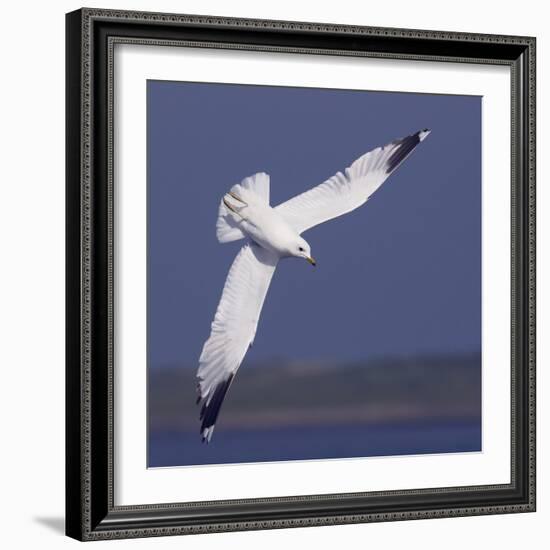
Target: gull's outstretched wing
233 329
346 191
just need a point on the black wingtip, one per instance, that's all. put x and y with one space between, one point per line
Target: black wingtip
211 409
423 134
403 148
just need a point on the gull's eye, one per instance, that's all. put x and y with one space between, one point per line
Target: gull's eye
300 249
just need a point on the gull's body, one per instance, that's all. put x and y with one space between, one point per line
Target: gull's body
264 225
272 234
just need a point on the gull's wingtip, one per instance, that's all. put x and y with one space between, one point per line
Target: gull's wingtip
210 404
206 434
423 134
402 148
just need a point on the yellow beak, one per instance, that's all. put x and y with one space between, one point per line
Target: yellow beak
311 261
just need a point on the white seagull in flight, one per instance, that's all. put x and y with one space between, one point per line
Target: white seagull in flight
273 233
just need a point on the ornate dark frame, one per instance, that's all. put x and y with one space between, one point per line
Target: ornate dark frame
90 510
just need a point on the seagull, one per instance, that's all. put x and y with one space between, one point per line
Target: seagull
274 233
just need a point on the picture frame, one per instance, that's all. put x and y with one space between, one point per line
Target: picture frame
91 509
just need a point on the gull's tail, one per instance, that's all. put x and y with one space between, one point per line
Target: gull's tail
252 189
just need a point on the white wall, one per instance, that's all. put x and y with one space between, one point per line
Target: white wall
32 273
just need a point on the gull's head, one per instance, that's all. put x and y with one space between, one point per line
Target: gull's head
301 249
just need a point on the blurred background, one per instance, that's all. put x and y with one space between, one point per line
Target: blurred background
374 352
306 410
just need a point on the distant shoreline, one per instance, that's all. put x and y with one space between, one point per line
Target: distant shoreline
287 394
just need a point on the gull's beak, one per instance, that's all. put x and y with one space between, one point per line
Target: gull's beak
311 260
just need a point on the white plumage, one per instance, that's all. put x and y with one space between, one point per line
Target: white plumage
346 191
272 234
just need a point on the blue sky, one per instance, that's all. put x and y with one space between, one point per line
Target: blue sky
399 276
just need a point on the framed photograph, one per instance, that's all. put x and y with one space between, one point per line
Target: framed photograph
300 274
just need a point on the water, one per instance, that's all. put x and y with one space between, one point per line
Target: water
183 448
